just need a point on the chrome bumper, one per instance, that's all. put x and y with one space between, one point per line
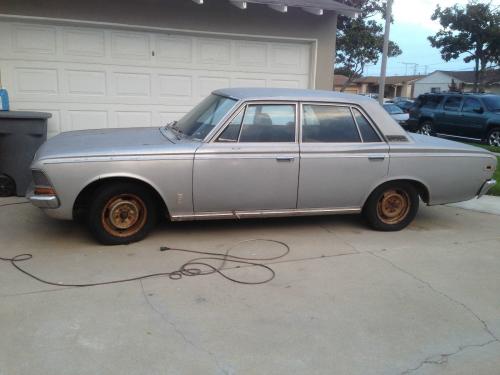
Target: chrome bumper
486 186
42 201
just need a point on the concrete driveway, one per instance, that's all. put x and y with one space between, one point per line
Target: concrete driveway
345 300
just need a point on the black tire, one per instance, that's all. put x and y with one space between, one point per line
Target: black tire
7 186
493 137
121 213
426 128
387 200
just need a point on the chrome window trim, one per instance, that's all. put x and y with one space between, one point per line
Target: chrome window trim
243 106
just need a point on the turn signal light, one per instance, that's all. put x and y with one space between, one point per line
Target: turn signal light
45 191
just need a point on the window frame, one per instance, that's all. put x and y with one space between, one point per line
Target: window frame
350 107
243 107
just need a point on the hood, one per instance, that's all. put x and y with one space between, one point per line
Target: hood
110 142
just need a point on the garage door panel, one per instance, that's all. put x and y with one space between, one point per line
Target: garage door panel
91 77
34 39
84 42
84 82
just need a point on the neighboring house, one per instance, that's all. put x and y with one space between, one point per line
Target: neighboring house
440 81
394 85
121 63
339 81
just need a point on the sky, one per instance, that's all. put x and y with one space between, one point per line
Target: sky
412 25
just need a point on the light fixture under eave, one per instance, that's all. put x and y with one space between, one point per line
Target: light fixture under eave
279 8
315 11
199 2
239 4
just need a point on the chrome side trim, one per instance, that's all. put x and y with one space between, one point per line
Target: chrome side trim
486 187
457 136
265 213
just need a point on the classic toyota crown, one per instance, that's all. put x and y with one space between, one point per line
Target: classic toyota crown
248 152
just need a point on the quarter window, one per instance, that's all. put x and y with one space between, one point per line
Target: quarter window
367 132
232 131
452 103
329 124
268 123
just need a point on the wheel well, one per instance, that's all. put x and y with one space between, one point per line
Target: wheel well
83 199
422 190
423 119
493 126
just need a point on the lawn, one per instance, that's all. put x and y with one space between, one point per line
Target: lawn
495 190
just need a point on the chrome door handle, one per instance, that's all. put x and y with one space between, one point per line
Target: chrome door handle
376 158
285 159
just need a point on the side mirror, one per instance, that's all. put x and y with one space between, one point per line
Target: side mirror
478 110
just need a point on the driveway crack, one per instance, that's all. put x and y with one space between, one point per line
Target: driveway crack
187 340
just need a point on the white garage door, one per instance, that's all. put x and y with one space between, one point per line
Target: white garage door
90 77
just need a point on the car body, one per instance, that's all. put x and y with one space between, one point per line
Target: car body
405 105
474 117
397 114
248 152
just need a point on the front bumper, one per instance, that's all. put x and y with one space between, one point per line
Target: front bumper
486 187
42 201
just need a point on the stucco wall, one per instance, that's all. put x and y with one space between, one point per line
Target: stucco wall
436 79
214 16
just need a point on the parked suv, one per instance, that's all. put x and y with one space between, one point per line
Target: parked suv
468 116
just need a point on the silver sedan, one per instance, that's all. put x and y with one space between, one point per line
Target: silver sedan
247 152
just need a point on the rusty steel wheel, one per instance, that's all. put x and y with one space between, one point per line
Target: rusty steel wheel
121 213
124 215
393 206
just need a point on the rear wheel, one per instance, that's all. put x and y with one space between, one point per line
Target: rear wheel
426 128
392 206
121 213
7 186
493 138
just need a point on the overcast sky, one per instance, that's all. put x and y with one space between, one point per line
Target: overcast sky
412 25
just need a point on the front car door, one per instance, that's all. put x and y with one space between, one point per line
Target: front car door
473 120
451 122
342 157
252 164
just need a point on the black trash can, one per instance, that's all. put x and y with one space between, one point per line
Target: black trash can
21 134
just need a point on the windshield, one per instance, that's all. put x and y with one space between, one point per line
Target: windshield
393 109
492 103
198 122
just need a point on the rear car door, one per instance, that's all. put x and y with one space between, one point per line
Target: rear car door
451 122
342 156
252 164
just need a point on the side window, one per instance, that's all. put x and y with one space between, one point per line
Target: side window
430 101
470 105
326 123
268 123
452 103
367 131
232 131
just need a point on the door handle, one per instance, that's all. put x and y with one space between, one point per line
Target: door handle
376 158
288 159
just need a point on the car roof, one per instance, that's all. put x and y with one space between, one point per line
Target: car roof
254 93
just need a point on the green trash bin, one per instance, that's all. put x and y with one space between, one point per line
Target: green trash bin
21 134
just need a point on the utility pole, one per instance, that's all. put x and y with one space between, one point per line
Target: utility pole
385 51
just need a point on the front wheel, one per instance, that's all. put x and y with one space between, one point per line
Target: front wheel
426 128
121 213
392 206
493 138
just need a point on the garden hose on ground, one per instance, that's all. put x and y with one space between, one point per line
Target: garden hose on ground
195 267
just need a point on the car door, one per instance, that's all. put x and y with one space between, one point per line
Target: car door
473 119
451 122
252 164
342 157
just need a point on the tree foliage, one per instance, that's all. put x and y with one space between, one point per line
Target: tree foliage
473 30
360 41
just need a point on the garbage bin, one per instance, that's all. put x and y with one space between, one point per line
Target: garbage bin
21 134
